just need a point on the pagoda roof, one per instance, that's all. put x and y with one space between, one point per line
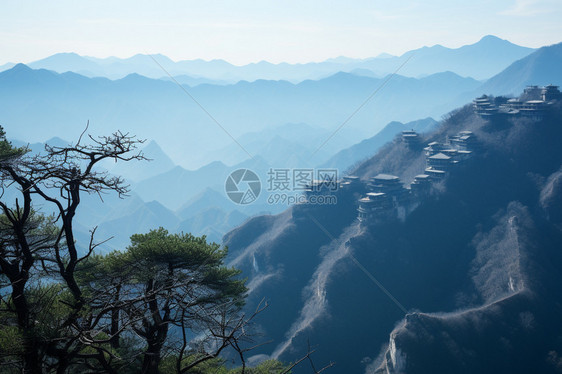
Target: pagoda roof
388 177
375 194
440 156
434 171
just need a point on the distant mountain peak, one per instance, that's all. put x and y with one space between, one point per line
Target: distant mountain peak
153 149
57 142
21 67
434 47
214 164
487 38
342 60
538 68
73 54
133 76
152 144
384 55
480 60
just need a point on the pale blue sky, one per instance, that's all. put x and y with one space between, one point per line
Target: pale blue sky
246 31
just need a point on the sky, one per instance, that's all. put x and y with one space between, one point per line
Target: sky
245 31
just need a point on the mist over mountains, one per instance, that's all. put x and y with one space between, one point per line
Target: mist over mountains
539 68
281 124
474 269
63 103
480 60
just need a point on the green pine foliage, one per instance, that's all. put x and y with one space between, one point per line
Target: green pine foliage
165 304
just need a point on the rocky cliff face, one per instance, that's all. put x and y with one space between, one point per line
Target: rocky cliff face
467 282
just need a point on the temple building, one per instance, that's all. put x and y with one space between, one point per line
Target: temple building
534 109
376 205
410 138
438 165
550 93
388 199
484 106
390 185
421 185
385 183
532 103
440 157
464 141
350 182
320 187
433 148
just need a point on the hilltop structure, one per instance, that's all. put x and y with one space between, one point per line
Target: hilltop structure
532 103
388 198
410 138
440 157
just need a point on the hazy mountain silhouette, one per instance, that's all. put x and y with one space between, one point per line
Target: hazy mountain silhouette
273 145
7 66
480 60
42 103
212 222
202 201
539 68
195 81
64 62
179 188
37 148
349 157
210 213
141 218
158 162
178 185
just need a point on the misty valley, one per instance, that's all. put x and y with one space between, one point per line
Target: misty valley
394 214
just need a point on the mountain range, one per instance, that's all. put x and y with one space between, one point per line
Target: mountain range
480 60
539 68
173 186
63 103
467 282
38 103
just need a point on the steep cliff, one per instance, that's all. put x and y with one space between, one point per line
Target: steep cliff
467 282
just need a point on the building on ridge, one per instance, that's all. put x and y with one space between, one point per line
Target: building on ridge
374 206
550 93
421 186
410 138
532 103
